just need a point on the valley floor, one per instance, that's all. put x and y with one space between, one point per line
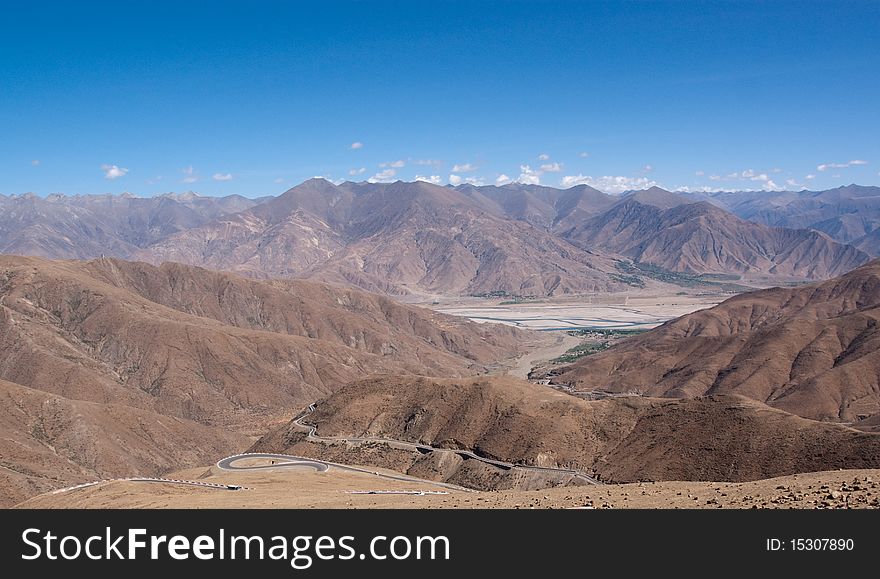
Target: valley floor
637 310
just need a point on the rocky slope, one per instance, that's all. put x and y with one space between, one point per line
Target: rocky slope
848 214
543 207
48 441
650 227
719 438
392 238
194 346
88 226
418 238
811 350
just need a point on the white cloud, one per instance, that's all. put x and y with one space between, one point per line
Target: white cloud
112 172
35 162
502 179
703 189
431 162
700 173
792 183
776 170
359 171
383 176
551 167
826 166
464 168
583 154
356 145
543 157
189 175
395 164
528 176
647 168
608 183
456 180
435 179
222 176
279 180
810 177
747 175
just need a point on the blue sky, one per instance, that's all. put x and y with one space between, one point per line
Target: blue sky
251 98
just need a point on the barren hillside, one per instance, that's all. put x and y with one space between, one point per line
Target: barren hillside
812 351
701 238
234 356
719 438
394 238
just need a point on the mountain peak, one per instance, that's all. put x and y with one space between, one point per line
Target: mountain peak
657 197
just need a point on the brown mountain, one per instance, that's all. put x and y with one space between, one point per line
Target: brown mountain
812 351
544 207
698 237
115 338
418 238
48 441
721 437
847 213
88 226
392 238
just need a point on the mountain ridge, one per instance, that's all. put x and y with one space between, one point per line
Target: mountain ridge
809 350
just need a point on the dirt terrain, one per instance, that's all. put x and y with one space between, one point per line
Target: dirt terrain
393 238
677 234
111 368
332 489
813 351
715 438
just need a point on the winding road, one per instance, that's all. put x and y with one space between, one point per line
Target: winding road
172 481
289 461
312 435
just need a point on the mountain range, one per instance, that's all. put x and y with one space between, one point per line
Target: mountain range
849 214
115 368
813 351
87 226
111 368
418 238
721 437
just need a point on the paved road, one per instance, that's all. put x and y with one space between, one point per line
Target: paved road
172 481
312 435
288 461
279 461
